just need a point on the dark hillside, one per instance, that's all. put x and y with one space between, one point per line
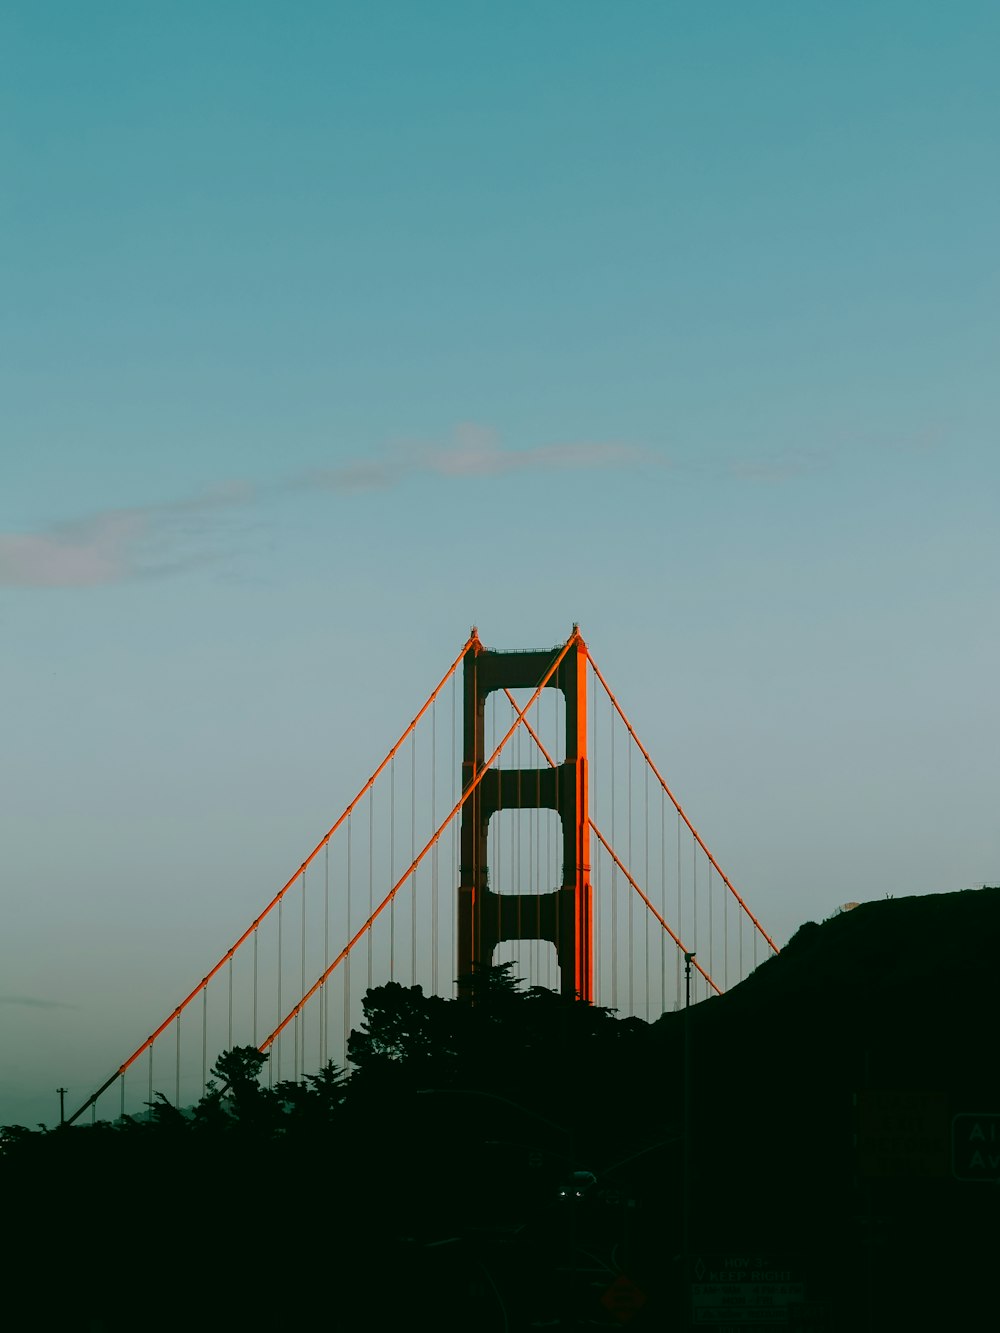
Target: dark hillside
901 992
824 1089
440 1179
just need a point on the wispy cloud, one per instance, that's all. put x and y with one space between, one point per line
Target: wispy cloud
28 1002
113 545
151 541
474 451
71 555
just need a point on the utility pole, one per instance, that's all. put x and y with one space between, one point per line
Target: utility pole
62 1104
688 1165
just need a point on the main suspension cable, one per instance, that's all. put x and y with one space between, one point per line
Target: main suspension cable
276 900
677 806
676 938
473 785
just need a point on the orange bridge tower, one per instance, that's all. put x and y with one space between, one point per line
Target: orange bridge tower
563 914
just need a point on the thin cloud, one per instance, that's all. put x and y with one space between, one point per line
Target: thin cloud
152 541
474 451
29 1002
145 541
477 452
71 555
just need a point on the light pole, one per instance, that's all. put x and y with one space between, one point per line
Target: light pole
688 1165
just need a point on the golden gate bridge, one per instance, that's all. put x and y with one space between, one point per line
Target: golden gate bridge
527 792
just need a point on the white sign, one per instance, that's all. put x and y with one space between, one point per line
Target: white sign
741 1290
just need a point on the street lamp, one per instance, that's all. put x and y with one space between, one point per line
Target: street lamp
688 1164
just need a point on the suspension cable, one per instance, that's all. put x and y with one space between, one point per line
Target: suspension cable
473 785
618 863
448 675
676 938
677 806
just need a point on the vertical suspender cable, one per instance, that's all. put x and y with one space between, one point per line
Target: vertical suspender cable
324 1044
455 869
711 929
302 974
255 951
741 946
277 1055
663 899
680 899
347 960
371 875
392 870
413 857
122 1085
204 1038
614 882
434 854
177 1070
649 887
631 896
725 936
150 1099
230 1046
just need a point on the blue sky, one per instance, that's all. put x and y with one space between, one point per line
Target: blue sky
329 330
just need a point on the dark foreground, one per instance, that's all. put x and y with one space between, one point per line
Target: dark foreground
519 1162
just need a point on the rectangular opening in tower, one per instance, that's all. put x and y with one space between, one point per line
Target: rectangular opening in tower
547 719
525 851
534 961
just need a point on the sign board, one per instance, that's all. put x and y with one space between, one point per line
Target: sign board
744 1291
902 1133
975 1145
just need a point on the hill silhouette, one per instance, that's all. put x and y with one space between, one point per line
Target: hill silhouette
520 1153
825 1087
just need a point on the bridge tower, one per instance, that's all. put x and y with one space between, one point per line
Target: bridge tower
563 915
